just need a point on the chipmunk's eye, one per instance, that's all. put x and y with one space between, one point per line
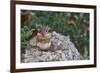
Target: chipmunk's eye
46 30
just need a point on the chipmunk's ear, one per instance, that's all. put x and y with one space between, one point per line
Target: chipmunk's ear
49 29
34 32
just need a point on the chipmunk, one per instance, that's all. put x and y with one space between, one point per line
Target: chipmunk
43 38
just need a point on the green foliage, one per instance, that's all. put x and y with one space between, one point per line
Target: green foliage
67 23
25 34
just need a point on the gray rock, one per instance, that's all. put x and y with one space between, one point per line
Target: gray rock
62 49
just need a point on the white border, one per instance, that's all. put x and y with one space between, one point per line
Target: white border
52 64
